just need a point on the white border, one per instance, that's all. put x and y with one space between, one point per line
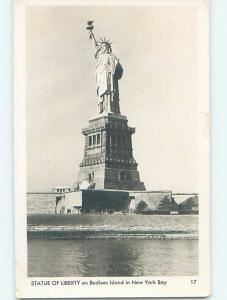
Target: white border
177 286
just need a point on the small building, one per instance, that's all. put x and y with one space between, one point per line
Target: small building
93 201
70 202
190 205
61 189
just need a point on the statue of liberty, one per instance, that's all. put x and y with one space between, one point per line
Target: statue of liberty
108 72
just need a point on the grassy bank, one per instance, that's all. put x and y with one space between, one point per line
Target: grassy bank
121 220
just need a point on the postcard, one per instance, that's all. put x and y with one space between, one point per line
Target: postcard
111 148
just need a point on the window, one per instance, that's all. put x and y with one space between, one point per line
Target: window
113 140
124 140
91 176
123 176
94 139
129 140
90 140
109 140
119 140
98 138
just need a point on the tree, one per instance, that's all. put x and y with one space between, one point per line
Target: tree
164 204
141 206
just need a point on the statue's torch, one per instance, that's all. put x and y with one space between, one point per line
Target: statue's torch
90 27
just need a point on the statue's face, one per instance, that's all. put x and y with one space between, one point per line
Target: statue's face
105 48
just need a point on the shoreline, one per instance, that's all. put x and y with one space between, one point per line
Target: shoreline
97 232
78 236
111 227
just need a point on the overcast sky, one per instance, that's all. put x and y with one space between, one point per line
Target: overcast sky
157 47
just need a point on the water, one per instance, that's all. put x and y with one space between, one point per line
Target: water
130 257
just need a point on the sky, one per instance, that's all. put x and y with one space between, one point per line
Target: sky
157 47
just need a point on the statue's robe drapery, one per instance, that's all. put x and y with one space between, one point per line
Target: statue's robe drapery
108 72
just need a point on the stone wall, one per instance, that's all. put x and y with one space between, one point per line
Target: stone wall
152 198
93 200
41 203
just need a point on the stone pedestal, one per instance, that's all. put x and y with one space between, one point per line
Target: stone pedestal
108 161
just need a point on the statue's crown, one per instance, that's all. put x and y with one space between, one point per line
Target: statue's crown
104 41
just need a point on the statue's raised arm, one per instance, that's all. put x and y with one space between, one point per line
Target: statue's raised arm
90 27
108 72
